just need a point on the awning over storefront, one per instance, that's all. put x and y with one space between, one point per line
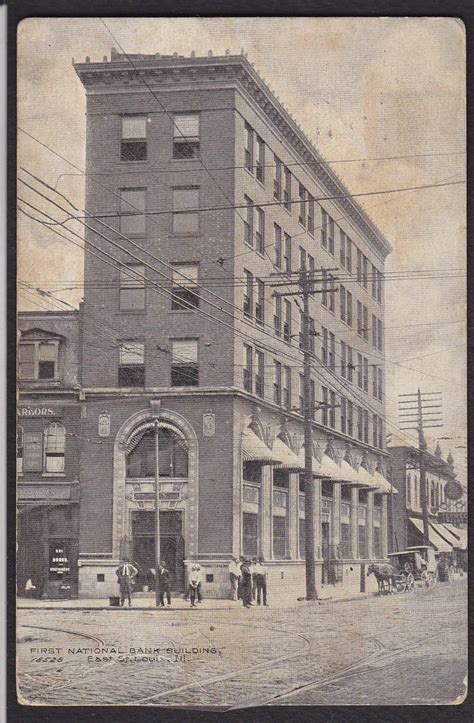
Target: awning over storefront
446 533
366 479
288 459
459 535
349 474
255 450
383 484
435 539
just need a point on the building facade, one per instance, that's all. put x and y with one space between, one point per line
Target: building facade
447 515
200 188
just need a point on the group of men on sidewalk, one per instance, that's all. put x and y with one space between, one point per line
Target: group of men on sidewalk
248 580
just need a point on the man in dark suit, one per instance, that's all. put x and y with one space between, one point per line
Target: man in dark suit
126 573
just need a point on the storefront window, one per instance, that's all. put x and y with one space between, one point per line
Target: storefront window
249 534
279 538
302 539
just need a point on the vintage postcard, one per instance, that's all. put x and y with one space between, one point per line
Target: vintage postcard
241 381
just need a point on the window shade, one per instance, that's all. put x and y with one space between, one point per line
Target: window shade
134 127
185 275
186 126
184 351
132 353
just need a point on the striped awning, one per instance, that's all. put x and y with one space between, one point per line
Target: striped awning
366 479
255 450
288 458
459 535
446 534
383 484
435 539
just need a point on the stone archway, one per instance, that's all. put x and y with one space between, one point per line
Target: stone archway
129 428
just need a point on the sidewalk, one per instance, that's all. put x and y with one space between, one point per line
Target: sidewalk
146 601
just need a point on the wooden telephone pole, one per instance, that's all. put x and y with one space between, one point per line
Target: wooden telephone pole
421 418
305 281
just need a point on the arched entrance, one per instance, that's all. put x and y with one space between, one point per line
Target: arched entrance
134 494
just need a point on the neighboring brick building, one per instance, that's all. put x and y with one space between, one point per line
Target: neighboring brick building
201 186
447 516
48 451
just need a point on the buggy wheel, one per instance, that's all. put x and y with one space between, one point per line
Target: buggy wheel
425 578
401 584
410 583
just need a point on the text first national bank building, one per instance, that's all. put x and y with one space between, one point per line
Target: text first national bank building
199 187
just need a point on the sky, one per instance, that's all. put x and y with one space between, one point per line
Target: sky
361 88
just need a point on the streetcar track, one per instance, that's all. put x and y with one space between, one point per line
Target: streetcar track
61 630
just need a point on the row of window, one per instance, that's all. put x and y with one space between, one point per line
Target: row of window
184 216
255 153
434 489
254 376
41 451
133 142
184 363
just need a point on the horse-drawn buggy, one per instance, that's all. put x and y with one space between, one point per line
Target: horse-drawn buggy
405 569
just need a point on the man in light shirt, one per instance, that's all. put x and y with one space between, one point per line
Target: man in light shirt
234 576
260 576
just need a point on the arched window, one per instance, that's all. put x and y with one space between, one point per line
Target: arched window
172 455
54 447
432 495
19 450
408 490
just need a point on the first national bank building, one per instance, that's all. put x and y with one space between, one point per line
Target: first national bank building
199 187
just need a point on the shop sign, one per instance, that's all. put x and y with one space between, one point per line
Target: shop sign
39 412
208 424
453 490
453 518
58 560
103 427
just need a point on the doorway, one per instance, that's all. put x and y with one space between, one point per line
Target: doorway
171 547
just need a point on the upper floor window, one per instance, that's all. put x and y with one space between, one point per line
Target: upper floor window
287 256
131 371
379 286
260 160
349 308
379 335
184 363
185 210
132 287
248 222
302 259
185 287
260 231
54 447
248 368
277 382
287 322
302 213
259 373
359 266
331 293
133 146
248 294
38 360
330 235
132 211
310 215
260 303
374 282
277 180
342 248
287 387
365 265
278 258
409 490
287 190
249 147
277 315
342 303
324 229
186 135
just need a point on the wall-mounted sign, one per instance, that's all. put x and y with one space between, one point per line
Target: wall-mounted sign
59 564
453 518
103 425
453 490
39 411
208 424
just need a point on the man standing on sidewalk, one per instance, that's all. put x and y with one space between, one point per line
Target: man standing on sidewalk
165 584
246 584
126 573
260 575
234 576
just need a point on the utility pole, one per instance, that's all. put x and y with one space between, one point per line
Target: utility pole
419 416
155 404
306 281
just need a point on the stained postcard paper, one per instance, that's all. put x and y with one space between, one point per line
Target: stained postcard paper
241 419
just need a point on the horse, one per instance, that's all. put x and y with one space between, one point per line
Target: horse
383 574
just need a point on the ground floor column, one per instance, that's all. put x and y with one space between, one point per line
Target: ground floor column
293 511
317 516
384 527
369 530
265 515
336 520
354 522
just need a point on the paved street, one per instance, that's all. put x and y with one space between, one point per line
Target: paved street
400 649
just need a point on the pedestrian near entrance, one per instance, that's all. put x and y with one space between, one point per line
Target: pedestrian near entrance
260 574
234 577
253 565
126 574
246 584
240 563
194 582
165 584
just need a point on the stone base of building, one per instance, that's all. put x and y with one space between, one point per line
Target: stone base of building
97 578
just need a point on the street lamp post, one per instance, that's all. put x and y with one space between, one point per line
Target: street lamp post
157 515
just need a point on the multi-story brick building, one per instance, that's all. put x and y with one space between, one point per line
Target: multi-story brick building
200 186
447 516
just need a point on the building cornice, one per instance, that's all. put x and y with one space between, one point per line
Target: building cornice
232 70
